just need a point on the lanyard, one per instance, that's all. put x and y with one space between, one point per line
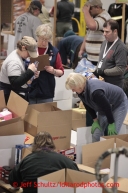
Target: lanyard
105 53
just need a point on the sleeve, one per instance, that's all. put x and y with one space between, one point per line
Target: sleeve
13 69
100 21
99 96
90 111
58 64
120 62
15 177
22 79
36 23
62 52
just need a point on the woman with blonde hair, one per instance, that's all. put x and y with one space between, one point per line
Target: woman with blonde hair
106 103
42 89
42 161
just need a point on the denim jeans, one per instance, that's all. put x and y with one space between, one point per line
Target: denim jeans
119 115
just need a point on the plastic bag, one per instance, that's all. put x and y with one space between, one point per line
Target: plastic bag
85 67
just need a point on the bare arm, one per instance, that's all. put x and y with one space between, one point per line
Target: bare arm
90 22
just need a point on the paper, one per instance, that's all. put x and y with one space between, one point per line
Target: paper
43 61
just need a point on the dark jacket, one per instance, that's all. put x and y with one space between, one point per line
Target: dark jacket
113 94
38 164
44 86
65 10
67 47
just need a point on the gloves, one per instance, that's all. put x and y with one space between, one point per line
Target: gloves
112 129
95 126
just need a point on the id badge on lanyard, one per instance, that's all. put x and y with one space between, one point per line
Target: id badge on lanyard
100 64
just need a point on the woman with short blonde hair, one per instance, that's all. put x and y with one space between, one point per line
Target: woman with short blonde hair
43 89
75 80
44 31
106 103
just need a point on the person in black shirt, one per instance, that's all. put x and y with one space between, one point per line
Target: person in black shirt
65 10
43 160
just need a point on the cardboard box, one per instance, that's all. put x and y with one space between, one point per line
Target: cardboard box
29 138
119 141
7 149
18 107
91 153
122 185
76 182
61 93
46 117
78 118
79 138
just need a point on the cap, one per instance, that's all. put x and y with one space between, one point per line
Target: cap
36 4
30 45
94 3
69 33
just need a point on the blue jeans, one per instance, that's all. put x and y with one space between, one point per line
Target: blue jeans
119 115
39 100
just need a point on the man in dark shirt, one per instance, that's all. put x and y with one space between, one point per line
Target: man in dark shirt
65 10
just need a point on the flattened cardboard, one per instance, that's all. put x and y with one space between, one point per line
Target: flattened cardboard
43 61
91 153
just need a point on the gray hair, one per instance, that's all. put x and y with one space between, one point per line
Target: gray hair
43 141
75 80
45 31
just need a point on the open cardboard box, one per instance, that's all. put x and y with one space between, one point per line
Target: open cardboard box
79 138
78 118
72 178
122 185
91 153
18 107
46 117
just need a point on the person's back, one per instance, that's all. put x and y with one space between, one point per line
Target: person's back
67 47
26 24
42 161
65 10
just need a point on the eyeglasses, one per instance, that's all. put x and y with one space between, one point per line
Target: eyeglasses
43 39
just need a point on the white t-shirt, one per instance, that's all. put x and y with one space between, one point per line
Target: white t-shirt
12 66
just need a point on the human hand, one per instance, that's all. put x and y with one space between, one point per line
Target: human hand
112 129
95 126
80 54
86 8
36 75
50 69
32 67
